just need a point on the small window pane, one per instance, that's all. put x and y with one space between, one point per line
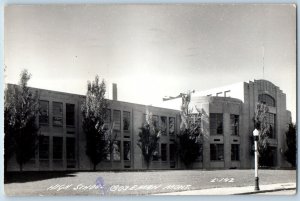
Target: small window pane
163 125
155 154
234 119
171 125
44 147
126 121
70 148
172 152
164 152
216 124
235 152
57 147
217 152
117 119
57 114
126 147
155 121
116 152
70 114
44 112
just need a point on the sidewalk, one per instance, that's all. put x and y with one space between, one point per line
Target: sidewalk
245 190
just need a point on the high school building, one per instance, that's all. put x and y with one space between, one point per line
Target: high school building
226 125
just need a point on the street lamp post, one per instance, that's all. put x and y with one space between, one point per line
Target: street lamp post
256 134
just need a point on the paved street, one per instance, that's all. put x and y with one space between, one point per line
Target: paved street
140 183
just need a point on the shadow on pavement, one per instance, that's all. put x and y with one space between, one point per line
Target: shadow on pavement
23 177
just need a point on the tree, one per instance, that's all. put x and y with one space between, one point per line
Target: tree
291 140
94 112
148 139
190 134
261 123
20 113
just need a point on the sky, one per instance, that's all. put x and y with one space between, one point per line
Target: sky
151 51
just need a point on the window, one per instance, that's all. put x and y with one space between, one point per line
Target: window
216 152
271 118
116 150
57 114
235 152
171 125
155 121
44 112
234 121
117 119
163 152
44 147
172 152
70 114
216 124
163 125
126 150
126 121
155 154
266 99
70 148
57 147
107 119
200 152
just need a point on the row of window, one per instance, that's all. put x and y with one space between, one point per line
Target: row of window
217 152
57 113
162 123
115 117
44 148
216 124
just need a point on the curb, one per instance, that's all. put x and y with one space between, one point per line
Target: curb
264 191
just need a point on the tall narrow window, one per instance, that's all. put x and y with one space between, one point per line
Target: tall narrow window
44 112
126 150
172 152
71 157
155 154
271 119
171 125
70 148
163 125
235 152
216 152
57 147
107 120
164 152
44 148
155 121
70 114
234 120
57 114
116 151
126 121
117 119
216 124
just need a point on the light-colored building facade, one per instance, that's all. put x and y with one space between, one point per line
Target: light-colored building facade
230 110
226 126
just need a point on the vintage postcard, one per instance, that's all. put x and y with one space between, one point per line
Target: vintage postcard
158 99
